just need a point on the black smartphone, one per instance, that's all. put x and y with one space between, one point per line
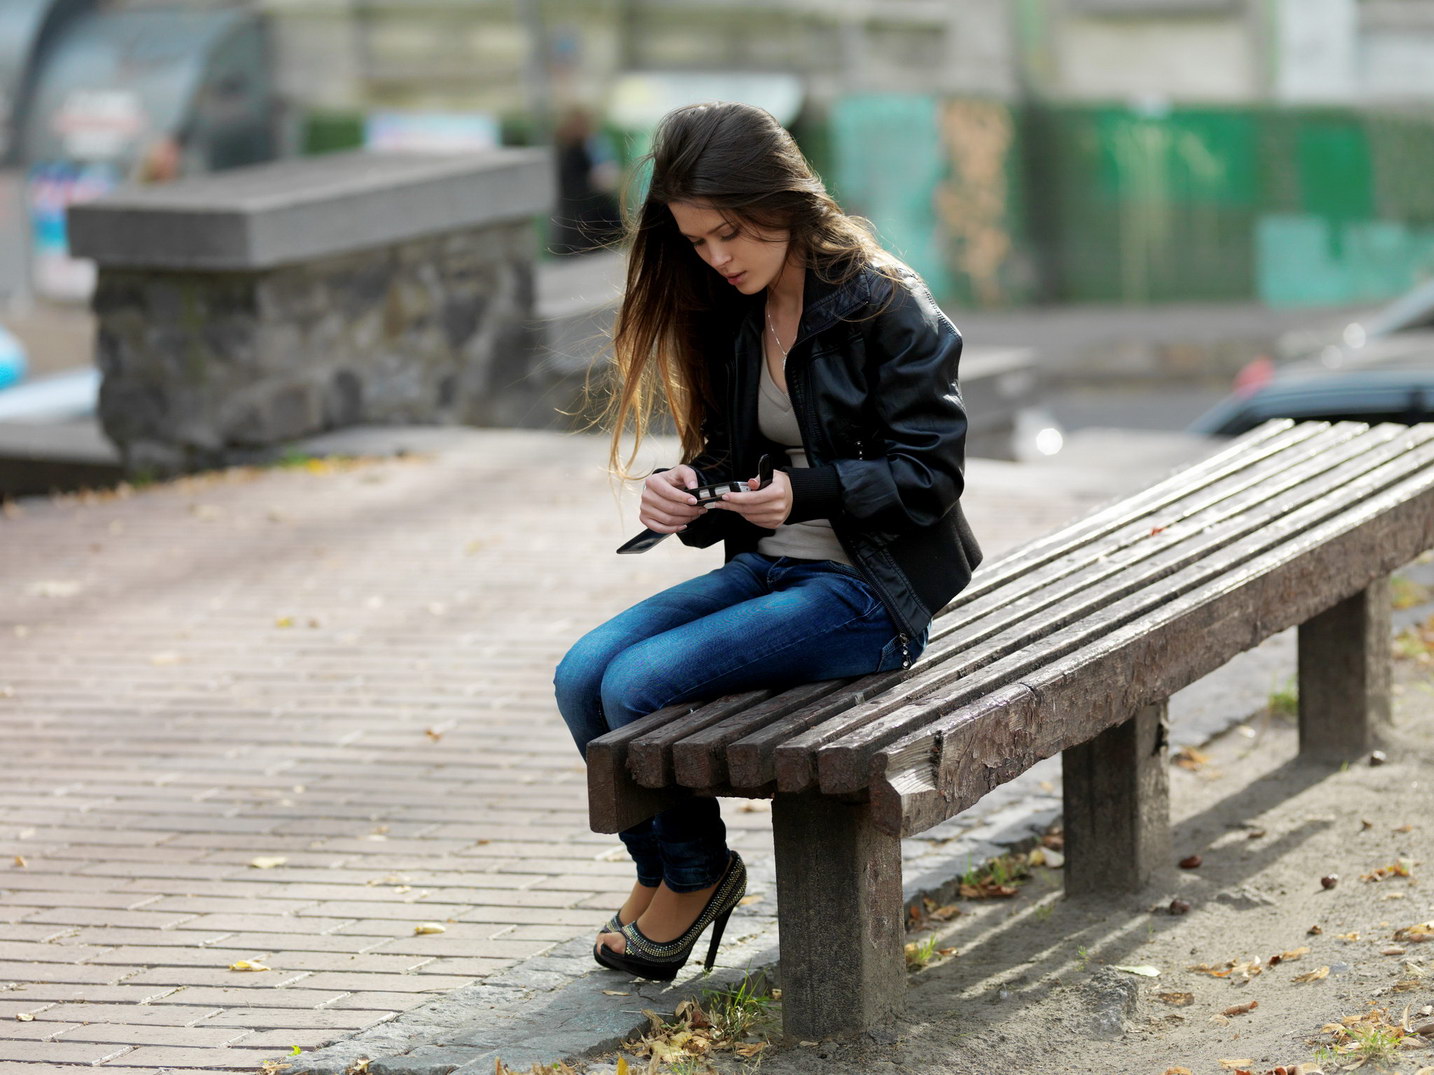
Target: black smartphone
705 494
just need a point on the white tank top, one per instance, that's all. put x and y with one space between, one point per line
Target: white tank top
810 540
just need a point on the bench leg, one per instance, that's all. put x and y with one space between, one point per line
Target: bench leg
1344 670
1117 806
839 917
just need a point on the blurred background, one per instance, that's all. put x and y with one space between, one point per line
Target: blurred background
1157 201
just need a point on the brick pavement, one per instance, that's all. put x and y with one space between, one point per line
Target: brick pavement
341 673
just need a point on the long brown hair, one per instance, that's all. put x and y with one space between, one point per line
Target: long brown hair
738 160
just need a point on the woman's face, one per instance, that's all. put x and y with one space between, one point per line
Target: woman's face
747 258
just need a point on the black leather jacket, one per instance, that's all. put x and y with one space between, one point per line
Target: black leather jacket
872 378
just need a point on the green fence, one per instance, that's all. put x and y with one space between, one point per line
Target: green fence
999 205
996 205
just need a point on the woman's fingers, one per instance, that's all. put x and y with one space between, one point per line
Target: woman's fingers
667 506
767 508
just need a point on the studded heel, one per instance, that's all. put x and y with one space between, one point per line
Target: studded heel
661 960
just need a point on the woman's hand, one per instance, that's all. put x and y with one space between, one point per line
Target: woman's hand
667 507
767 507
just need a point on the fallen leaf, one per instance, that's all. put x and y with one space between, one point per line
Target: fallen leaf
1190 758
433 734
1400 868
1241 1009
430 927
1392 951
749 1049
747 901
1191 862
24 1017
1177 1071
1351 936
1145 971
622 1068
284 621
1294 954
20 861
267 862
1314 931
1405 828
1233 1064
1177 1000
248 964
615 993
1055 859
1418 933
1313 976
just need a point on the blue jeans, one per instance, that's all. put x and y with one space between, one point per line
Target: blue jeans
757 621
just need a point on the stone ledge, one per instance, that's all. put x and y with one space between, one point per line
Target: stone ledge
308 208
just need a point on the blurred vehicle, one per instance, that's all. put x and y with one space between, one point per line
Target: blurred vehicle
1379 368
1391 380
12 359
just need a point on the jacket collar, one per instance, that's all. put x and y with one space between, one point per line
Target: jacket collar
823 303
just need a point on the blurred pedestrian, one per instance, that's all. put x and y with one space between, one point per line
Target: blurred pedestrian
765 321
588 217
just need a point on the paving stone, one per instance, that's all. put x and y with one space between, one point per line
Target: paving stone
232 1058
60 1052
221 977
330 1017
173 731
206 1036
62 972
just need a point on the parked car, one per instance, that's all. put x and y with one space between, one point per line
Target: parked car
1376 369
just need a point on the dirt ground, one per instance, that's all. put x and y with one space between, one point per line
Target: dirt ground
1033 988
1034 985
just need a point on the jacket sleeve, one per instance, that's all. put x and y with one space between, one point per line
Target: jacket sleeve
711 464
915 474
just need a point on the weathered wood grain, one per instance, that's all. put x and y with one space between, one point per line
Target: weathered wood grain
615 800
649 756
699 758
1115 791
1177 561
1344 676
839 917
940 769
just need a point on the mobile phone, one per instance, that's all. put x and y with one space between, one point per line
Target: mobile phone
704 494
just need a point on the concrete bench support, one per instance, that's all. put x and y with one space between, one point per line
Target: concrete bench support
1117 806
839 916
1344 670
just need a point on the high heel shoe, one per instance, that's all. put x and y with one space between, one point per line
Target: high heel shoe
614 925
661 960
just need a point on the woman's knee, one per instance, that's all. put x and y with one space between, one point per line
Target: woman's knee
634 685
577 686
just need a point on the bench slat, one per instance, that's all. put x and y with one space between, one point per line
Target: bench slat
843 745
615 800
748 759
949 763
699 760
649 757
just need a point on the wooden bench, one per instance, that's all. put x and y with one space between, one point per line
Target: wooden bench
1071 644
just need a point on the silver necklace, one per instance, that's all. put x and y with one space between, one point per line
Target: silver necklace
775 338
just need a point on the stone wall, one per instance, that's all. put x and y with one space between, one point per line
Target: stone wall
203 368
240 312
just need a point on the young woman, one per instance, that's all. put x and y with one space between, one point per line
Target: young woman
766 322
